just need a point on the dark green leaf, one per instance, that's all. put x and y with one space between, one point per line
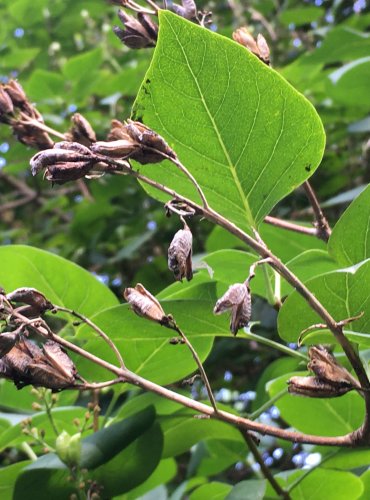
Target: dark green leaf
254 489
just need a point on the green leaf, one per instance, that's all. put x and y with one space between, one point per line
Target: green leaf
343 293
133 465
62 282
82 65
239 135
349 85
27 13
366 482
348 459
254 489
8 478
44 484
349 242
44 85
181 431
145 344
330 417
214 489
301 15
105 444
328 484
165 471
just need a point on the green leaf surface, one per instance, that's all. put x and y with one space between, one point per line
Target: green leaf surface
8 478
214 489
344 294
348 459
349 242
77 67
349 85
254 489
239 135
366 483
328 484
301 15
62 282
133 465
165 471
145 344
330 417
102 446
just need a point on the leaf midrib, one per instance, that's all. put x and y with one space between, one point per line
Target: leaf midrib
230 164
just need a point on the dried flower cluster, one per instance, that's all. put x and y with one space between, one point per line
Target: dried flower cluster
237 300
258 47
331 379
23 118
21 359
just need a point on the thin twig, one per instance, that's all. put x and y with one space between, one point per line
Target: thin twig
264 469
200 366
290 226
322 225
95 327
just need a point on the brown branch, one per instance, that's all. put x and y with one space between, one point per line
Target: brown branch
322 225
274 221
264 469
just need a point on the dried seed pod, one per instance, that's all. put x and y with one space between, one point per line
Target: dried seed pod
121 148
81 130
16 93
58 155
259 48
313 387
73 146
60 360
237 299
28 134
7 342
6 104
327 369
37 302
151 143
180 253
138 33
188 9
144 304
65 172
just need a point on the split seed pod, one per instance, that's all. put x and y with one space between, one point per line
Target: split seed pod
144 304
258 47
138 33
180 253
237 299
313 387
36 303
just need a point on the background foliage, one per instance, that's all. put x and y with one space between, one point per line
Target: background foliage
67 58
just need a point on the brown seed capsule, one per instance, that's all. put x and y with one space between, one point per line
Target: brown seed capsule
60 360
28 134
144 304
121 148
237 299
73 146
52 157
65 172
6 104
151 144
138 33
188 9
313 387
326 368
81 130
259 48
180 253
37 302
16 93
7 342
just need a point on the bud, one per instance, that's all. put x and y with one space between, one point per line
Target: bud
138 33
81 130
179 254
259 48
313 387
68 448
326 368
37 302
238 300
188 10
144 304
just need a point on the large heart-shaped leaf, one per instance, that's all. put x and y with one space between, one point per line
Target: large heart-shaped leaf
245 134
350 240
344 293
62 282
